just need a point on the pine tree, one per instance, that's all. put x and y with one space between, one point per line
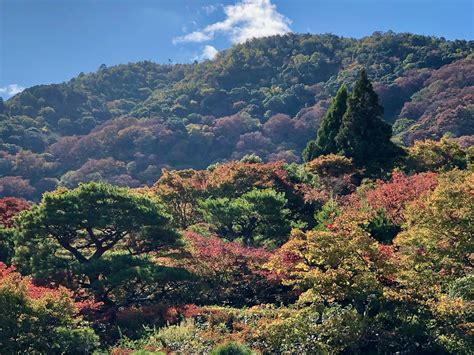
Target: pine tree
363 135
325 142
331 124
311 151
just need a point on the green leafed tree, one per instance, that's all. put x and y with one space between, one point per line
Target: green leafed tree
363 135
325 142
257 217
94 235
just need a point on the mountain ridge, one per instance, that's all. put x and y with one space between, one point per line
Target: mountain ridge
265 96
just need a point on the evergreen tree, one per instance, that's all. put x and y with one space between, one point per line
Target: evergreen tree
363 135
325 142
331 124
100 236
311 151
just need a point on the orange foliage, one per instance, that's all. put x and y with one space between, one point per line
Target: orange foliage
395 194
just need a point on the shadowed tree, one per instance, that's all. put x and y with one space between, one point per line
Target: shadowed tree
364 136
325 142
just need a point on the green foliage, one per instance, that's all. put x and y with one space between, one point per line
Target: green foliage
6 245
308 330
354 127
401 125
80 230
463 287
327 214
385 267
258 217
40 320
123 124
443 155
231 349
123 277
311 151
363 135
183 338
251 158
329 128
382 229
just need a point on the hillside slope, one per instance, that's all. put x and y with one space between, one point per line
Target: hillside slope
266 96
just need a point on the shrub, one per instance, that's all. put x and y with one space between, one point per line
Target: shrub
429 155
39 319
231 349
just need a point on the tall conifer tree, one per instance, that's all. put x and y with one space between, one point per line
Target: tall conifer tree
363 135
325 142
331 124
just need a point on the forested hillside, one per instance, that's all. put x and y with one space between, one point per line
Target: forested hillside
364 248
123 124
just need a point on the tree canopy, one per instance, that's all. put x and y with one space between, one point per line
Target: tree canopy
95 232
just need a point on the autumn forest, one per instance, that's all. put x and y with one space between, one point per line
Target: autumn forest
298 194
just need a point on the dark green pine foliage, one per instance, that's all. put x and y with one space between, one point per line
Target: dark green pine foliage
325 142
363 135
311 151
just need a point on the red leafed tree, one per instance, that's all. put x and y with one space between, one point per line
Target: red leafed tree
8 273
279 127
9 208
236 178
217 256
233 273
395 194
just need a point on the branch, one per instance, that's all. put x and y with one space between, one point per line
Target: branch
116 237
93 237
64 242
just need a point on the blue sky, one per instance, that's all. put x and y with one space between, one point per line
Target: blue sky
50 41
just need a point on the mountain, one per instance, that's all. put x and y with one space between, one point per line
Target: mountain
123 124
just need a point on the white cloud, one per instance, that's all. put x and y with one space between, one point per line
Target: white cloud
245 20
209 52
195 36
11 90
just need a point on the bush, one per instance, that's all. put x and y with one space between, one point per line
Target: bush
429 155
463 287
231 349
40 320
183 338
